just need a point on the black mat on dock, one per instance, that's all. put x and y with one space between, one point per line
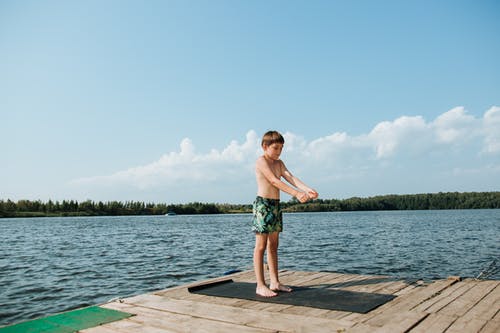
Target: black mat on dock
322 298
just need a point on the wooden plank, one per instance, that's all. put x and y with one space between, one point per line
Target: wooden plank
128 326
229 313
391 288
488 306
332 279
475 315
399 321
311 278
459 306
269 307
363 328
305 311
343 281
356 282
374 285
282 275
403 322
444 298
408 289
493 326
497 315
436 323
234 315
411 299
150 318
466 325
191 324
100 329
344 315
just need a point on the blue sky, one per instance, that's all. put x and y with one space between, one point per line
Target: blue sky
165 101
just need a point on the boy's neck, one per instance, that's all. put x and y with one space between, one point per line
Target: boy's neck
267 158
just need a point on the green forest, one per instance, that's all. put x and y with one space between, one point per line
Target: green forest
448 200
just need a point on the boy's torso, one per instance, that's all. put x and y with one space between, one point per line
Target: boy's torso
264 188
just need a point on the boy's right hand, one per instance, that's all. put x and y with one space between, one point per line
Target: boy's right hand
312 194
302 197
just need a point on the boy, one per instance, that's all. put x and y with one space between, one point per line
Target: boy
267 219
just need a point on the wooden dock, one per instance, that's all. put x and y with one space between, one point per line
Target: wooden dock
450 306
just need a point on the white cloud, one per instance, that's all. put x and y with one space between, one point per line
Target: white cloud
186 165
400 143
489 169
387 137
294 143
491 128
329 144
455 126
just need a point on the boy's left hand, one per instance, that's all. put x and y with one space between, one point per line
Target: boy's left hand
303 197
312 194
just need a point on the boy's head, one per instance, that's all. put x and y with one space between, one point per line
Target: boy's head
272 137
272 144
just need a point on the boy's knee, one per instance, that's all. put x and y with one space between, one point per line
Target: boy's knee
260 247
272 245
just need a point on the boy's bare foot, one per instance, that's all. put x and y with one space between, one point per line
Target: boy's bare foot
264 291
280 287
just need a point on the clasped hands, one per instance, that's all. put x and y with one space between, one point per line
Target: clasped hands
306 196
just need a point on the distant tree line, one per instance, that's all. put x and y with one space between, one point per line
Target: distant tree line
27 208
449 200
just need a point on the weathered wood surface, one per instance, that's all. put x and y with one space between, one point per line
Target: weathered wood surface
447 306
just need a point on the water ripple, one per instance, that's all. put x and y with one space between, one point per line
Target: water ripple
49 265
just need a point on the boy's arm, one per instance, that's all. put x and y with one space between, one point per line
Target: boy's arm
264 168
298 183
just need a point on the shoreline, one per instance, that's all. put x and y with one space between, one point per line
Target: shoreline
428 201
41 215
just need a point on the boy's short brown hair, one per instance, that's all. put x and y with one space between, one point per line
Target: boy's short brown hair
272 137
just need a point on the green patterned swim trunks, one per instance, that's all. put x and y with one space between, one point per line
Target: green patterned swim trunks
267 216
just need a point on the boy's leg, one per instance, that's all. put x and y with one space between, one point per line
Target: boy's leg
272 261
258 264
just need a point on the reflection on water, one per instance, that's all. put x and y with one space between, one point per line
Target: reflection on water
50 265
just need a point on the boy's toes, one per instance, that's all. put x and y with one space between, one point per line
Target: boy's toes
281 287
265 292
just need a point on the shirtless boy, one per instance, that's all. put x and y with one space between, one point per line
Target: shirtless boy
267 220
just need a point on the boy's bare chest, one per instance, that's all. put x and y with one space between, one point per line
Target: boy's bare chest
275 168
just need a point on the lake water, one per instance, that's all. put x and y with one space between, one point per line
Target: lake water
49 265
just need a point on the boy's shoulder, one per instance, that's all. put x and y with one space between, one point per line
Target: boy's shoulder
262 160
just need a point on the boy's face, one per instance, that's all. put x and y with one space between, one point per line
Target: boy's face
273 151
